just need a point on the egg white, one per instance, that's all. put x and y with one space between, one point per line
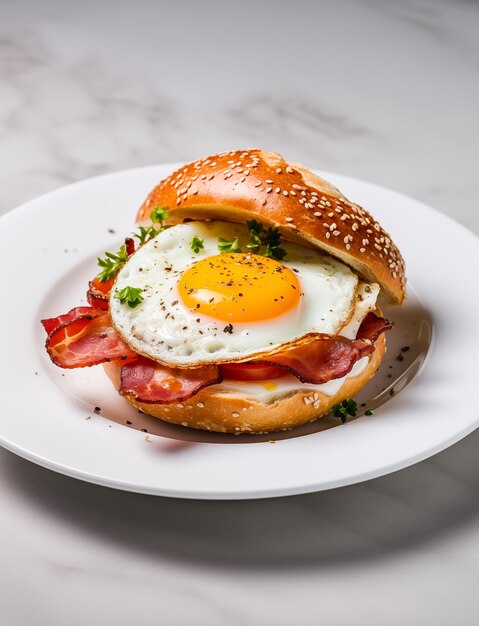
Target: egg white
164 329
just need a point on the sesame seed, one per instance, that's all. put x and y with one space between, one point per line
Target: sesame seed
277 190
292 192
258 184
354 226
279 170
235 415
317 214
269 189
270 182
285 193
289 169
289 219
200 405
328 235
298 187
335 233
362 249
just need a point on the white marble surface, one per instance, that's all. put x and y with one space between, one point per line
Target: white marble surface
385 91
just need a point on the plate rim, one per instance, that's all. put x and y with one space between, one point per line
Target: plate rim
251 494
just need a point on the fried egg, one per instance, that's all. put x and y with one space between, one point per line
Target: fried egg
211 307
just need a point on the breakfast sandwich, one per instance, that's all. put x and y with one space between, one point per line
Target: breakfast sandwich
246 301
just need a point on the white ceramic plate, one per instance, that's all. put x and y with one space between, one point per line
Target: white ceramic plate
424 396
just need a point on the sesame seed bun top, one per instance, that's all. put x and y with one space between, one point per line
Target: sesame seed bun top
244 184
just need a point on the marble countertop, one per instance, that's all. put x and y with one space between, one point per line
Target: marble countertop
383 91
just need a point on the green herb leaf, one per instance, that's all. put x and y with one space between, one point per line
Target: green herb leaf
254 226
368 412
254 244
197 244
275 252
130 296
228 246
270 238
145 234
345 408
112 263
159 215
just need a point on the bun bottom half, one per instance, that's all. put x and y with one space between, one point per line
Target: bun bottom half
212 410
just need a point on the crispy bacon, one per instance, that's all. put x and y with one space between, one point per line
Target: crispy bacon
84 336
54 322
86 339
329 358
373 326
130 246
149 382
99 292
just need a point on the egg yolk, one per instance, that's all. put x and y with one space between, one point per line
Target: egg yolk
239 287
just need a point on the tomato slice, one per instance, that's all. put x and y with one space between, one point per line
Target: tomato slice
98 293
101 288
251 371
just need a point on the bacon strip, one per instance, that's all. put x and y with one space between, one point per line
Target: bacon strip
87 339
149 382
54 322
330 357
373 326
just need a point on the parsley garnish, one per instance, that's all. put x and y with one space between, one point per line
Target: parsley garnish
159 215
345 408
270 238
145 234
130 296
228 246
368 412
197 244
112 263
